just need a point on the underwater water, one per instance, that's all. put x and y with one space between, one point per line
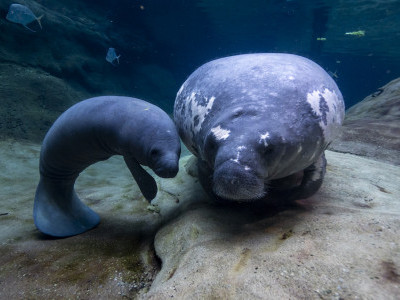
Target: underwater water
162 42
341 243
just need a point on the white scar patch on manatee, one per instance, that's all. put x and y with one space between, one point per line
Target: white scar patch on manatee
263 139
199 111
220 133
236 160
193 112
333 120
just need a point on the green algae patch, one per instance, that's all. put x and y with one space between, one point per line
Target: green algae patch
194 232
118 207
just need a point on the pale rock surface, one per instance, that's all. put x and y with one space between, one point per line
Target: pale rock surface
342 243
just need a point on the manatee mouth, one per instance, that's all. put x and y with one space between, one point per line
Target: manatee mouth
167 167
232 181
166 173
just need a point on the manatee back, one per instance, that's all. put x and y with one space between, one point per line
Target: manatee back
288 90
93 130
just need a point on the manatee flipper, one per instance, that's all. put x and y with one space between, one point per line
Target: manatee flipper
312 180
144 180
59 212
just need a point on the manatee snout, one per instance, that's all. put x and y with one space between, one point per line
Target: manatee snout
167 166
233 181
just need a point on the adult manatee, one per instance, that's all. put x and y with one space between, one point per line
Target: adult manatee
256 121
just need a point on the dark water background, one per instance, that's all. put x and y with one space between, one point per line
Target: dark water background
162 42
189 33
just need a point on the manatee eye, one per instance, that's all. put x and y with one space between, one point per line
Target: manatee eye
238 113
155 153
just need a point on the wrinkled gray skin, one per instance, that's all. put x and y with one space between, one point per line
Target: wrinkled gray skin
94 130
258 122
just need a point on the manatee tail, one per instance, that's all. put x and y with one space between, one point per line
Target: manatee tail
59 212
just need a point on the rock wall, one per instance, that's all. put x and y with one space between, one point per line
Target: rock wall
372 127
44 72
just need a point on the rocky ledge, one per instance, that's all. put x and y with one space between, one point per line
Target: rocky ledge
372 126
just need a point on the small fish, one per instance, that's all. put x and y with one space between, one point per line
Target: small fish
112 56
321 39
21 14
333 74
359 33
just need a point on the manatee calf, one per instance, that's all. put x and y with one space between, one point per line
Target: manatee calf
257 121
94 130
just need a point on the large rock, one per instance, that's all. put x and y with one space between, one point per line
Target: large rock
372 126
31 99
44 72
340 244
343 243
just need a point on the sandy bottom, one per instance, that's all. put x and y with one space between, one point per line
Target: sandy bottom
114 260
